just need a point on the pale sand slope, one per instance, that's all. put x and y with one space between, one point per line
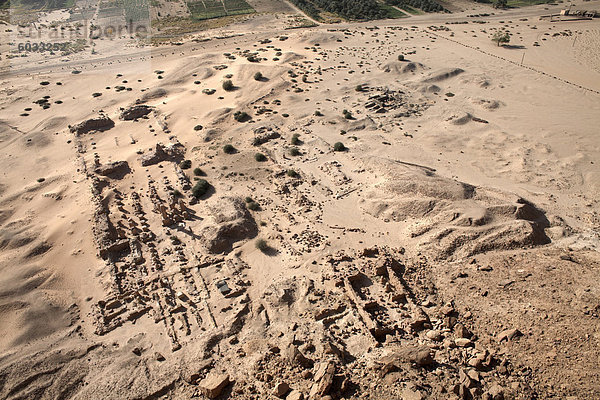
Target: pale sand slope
478 186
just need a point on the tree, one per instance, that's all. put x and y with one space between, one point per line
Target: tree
501 37
200 188
228 85
339 146
500 3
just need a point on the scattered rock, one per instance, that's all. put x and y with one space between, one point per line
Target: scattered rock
295 395
410 392
434 335
264 134
461 331
509 334
323 380
295 357
418 356
463 342
281 389
213 385
496 392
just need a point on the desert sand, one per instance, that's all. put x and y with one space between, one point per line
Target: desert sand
447 248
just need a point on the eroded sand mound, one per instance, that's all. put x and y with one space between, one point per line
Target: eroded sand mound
99 123
229 223
488 104
454 219
403 67
443 74
153 94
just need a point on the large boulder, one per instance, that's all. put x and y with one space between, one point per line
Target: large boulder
212 386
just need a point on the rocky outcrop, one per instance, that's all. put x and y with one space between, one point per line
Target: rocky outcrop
263 135
135 112
113 169
172 151
99 123
231 222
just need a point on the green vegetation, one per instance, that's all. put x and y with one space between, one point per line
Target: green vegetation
339 146
136 10
253 206
347 114
229 149
400 57
45 5
241 116
348 9
199 172
185 164
207 9
291 173
296 139
501 37
200 188
262 245
294 151
228 85
525 3
260 157
258 76
308 8
172 28
412 11
392 12
425 5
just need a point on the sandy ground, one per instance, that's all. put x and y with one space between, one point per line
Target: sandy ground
449 251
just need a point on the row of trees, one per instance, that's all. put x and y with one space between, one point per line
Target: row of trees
362 9
349 9
307 7
425 5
